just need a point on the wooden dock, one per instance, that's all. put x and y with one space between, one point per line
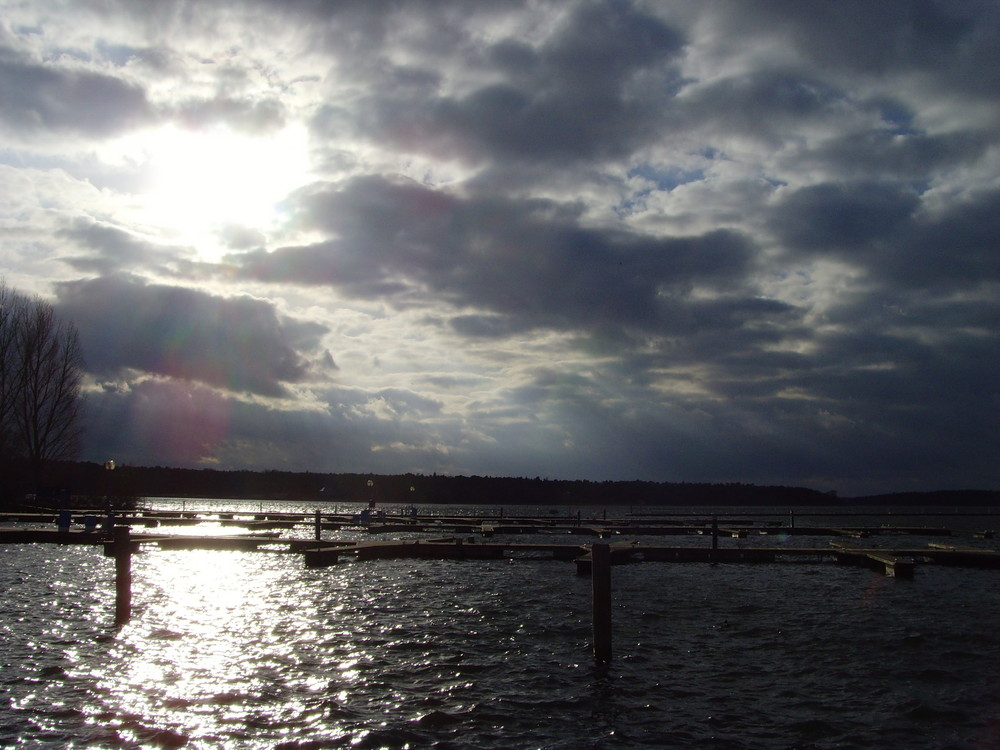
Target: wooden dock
680 525
477 540
496 538
900 562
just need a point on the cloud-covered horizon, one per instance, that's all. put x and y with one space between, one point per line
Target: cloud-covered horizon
717 241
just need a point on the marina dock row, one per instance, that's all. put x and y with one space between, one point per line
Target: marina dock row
478 538
491 525
486 538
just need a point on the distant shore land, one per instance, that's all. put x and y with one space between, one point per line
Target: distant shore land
79 484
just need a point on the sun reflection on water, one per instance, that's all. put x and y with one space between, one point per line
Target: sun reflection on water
234 649
217 641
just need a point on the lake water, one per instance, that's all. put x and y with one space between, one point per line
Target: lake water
246 650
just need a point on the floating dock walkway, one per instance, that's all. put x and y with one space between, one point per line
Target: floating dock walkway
467 538
497 538
495 525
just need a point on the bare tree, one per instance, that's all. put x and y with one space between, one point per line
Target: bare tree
11 312
41 372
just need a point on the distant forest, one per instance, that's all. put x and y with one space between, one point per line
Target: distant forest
83 481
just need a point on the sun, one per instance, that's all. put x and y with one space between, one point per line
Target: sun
200 182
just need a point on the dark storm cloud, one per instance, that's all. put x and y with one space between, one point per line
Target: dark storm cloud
182 423
893 391
881 410
952 41
48 97
885 153
843 218
879 228
761 103
958 246
110 249
592 89
526 263
235 343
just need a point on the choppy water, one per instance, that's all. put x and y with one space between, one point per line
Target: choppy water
236 649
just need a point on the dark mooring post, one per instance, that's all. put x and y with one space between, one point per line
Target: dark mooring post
715 533
123 576
601 576
318 527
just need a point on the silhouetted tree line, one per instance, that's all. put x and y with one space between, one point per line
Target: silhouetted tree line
41 370
91 481
91 484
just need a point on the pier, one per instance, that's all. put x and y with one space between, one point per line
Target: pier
700 538
593 545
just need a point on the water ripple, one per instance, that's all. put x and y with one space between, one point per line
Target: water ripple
252 650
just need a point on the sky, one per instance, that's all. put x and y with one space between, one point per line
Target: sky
690 241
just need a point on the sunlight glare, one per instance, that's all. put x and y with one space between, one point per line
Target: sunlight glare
203 181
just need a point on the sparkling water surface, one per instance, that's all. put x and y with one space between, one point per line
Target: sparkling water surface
231 649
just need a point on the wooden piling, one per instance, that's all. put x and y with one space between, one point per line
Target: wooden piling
318 525
123 576
601 577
